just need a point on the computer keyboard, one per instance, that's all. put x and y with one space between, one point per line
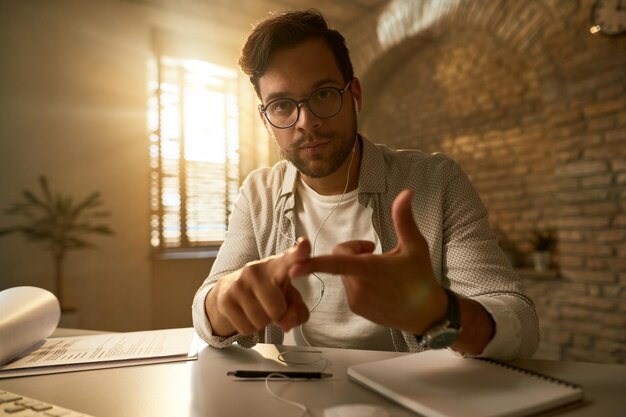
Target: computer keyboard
16 405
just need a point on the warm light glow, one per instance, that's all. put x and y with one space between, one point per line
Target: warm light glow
404 18
194 145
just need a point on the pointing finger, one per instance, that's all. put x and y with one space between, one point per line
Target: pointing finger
299 252
347 249
332 264
354 247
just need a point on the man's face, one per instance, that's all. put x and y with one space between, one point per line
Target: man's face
316 146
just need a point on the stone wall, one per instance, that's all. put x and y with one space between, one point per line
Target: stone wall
533 107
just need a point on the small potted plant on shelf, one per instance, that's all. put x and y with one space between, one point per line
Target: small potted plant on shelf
543 243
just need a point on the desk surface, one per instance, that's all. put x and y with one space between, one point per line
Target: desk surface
202 388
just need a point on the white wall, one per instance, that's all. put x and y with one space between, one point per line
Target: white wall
73 94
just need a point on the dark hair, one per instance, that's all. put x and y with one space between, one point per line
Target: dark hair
287 30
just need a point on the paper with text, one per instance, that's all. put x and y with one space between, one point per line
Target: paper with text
105 350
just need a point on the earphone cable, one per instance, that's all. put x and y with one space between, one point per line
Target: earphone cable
295 404
319 229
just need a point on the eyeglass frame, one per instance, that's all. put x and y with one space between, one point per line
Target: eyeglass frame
302 102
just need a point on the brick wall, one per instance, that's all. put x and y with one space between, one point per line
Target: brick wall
533 107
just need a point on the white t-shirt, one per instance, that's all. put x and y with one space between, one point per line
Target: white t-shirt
332 323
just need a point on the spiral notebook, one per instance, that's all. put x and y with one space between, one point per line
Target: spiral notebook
438 383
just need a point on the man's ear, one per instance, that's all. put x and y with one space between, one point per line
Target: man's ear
357 93
268 127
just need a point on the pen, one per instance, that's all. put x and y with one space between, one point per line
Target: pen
288 374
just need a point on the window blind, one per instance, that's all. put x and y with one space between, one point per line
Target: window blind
194 151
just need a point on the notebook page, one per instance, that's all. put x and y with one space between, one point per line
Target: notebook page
440 383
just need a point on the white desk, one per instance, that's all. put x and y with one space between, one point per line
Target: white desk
202 388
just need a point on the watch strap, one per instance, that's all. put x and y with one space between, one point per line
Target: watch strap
453 314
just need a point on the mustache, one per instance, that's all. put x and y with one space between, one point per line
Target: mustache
310 137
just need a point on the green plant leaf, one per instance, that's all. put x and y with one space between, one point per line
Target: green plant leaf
102 229
9 230
36 202
19 209
96 215
543 240
43 181
76 243
91 201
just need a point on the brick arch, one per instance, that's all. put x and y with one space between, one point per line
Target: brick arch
381 43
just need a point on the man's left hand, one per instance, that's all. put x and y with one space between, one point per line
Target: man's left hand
395 289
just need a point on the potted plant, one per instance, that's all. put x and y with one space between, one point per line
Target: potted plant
59 223
543 242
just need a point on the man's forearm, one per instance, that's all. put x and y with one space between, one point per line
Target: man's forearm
477 327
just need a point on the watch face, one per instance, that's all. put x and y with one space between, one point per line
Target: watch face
609 17
442 339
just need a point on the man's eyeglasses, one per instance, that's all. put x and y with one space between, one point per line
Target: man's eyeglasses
324 102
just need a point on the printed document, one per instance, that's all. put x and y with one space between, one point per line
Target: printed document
105 350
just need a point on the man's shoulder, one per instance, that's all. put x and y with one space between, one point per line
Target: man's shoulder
385 168
267 175
400 158
264 183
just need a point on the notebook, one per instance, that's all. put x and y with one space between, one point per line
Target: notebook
438 383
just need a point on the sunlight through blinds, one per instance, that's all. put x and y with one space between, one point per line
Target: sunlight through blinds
194 152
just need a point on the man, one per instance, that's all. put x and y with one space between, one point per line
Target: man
399 254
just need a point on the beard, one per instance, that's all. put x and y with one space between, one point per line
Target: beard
318 167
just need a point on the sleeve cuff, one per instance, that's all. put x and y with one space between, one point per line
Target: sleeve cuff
203 327
505 344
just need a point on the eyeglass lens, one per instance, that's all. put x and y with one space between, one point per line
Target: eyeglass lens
325 102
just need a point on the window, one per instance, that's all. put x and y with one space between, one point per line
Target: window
194 151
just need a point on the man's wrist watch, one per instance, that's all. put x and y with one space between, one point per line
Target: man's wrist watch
444 333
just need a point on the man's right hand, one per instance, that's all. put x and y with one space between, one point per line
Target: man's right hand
258 294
